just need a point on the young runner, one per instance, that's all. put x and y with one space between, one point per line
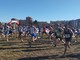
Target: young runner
20 31
68 37
58 34
33 33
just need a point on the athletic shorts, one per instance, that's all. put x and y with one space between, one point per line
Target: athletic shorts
59 37
20 33
44 32
50 32
10 31
68 39
1 32
6 32
34 35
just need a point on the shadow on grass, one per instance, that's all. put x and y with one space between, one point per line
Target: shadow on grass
37 42
75 55
56 57
28 49
36 49
39 58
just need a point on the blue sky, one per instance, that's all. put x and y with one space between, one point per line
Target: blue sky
41 10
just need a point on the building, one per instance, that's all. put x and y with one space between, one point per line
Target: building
43 23
75 23
72 23
27 21
22 22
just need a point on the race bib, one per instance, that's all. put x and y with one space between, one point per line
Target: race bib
67 35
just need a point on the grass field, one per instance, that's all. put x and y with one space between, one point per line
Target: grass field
41 50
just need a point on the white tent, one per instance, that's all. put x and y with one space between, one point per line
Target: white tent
14 22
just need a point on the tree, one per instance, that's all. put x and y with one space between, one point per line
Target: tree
0 23
29 20
35 22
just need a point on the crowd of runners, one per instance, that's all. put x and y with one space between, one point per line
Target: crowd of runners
54 33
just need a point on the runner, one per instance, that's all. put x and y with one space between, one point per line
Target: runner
52 36
44 31
1 31
50 32
6 31
25 30
68 37
39 30
20 31
33 33
58 34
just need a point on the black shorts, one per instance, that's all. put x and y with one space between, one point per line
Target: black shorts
50 32
1 32
20 33
10 32
44 32
59 37
68 39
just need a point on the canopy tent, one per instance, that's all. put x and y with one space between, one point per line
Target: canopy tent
11 22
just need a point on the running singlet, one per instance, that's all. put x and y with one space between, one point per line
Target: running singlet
32 30
44 29
58 32
67 33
